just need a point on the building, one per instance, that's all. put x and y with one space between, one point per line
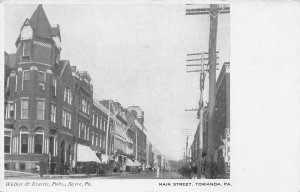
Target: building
109 126
83 102
39 117
140 137
222 120
221 127
123 143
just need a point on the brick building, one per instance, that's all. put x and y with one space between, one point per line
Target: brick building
39 106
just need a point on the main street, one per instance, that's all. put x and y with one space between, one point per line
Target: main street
145 175
124 175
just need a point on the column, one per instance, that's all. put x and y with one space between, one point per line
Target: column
13 147
17 140
29 144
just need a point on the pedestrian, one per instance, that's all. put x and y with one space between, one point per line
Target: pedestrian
37 167
157 172
42 167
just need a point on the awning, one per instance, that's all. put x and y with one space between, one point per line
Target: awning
104 158
128 162
136 163
85 154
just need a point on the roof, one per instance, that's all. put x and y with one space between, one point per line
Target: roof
105 104
40 23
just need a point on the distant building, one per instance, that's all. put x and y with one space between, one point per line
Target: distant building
140 136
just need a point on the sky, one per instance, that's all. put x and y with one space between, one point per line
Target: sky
136 54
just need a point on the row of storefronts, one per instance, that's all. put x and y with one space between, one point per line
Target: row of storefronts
51 115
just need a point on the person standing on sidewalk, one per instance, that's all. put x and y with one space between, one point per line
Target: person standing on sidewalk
42 167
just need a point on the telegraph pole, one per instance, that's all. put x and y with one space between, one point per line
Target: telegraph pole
200 108
213 11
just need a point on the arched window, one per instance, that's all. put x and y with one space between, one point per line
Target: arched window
38 140
24 139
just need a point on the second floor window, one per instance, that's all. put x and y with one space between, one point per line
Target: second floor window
53 113
24 109
10 110
41 76
26 79
40 110
67 95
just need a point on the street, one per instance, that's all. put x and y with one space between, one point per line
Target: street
145 175
124 175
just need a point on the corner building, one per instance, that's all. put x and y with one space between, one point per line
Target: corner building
39 99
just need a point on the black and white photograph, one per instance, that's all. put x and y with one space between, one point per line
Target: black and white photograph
99 94
106 103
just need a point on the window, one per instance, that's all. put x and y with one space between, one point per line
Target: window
97 121
66 119
67 95
64 114
53 86
26 49
93 138
24 109
24 140
41 76
16 88
10 110
104 142
84 105
40 110
7 82
41 80
100 123
25 80
51 146
82 130
38 141
100 140
96 140
93 119
7 141
53 113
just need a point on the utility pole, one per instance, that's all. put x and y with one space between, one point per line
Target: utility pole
213 11
187 133
200 108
